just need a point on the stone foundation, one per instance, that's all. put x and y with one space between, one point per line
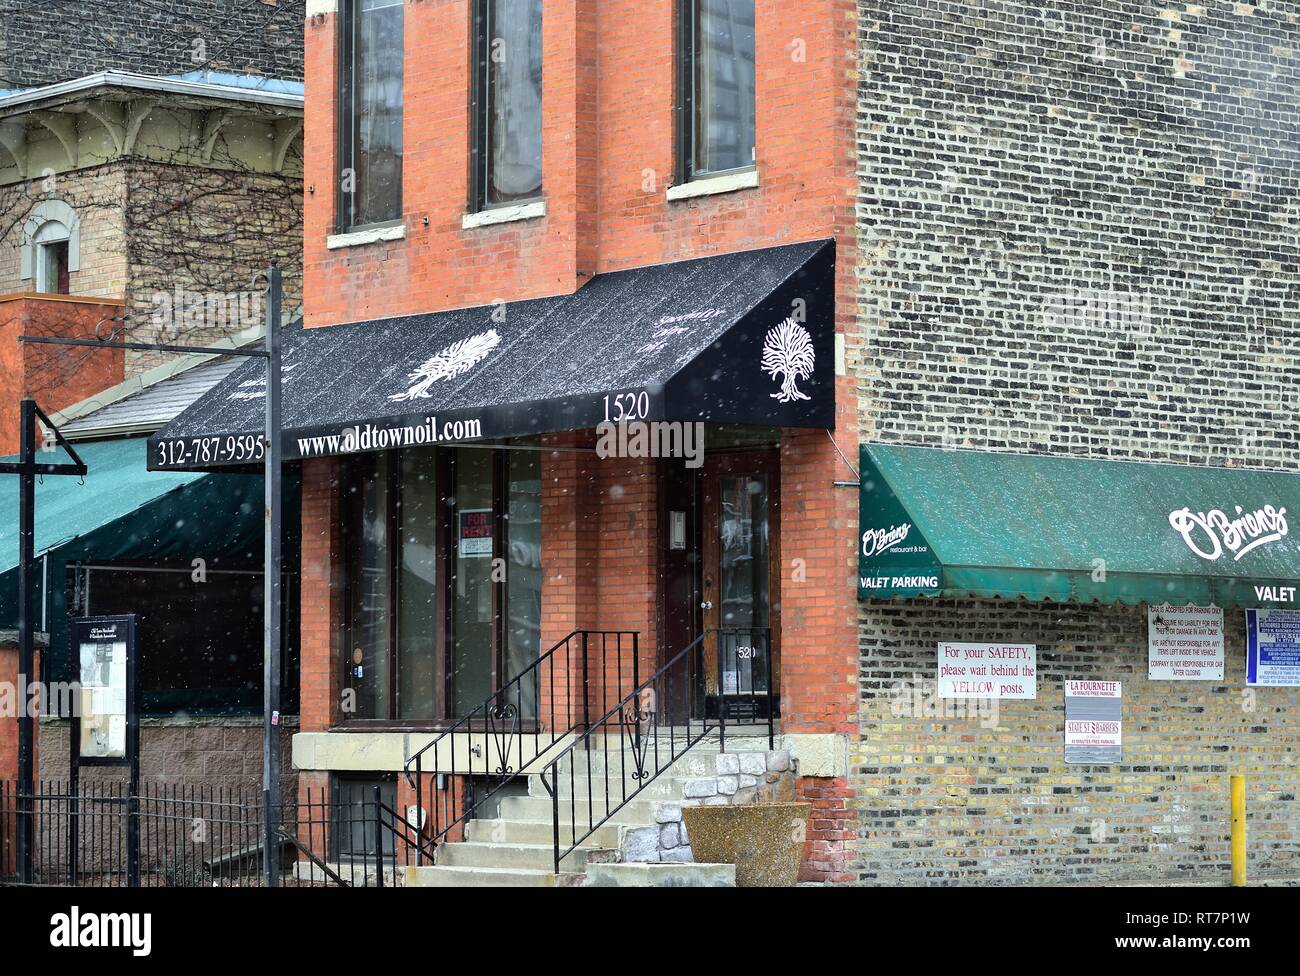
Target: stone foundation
737 779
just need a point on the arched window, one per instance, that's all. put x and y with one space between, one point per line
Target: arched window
51 248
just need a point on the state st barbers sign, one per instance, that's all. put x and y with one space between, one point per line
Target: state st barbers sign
1094 722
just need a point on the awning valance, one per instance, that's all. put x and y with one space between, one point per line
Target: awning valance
744 338
1003 526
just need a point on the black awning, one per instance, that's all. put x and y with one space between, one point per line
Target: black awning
743 338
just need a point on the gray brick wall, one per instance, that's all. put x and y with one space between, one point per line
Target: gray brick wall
1079 234
1019 160
54 40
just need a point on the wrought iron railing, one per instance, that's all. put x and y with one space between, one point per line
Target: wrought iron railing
629 746
188 835
515 728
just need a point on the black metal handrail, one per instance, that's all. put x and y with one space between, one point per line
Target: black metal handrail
556 690
674 689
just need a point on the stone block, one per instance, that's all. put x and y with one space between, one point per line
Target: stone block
728 785
698 788
641 844
753 763
668 813
728 764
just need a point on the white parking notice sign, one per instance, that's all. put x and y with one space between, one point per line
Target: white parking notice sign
1184 643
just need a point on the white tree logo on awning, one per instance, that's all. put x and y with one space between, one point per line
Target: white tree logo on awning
788 352
455 360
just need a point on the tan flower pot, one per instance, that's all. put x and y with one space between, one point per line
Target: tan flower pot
764 840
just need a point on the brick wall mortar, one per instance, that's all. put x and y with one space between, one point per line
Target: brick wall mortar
1144 158
54 41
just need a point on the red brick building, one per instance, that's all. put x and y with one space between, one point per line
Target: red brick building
491 167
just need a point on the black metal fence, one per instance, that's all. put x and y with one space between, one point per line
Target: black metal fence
192 836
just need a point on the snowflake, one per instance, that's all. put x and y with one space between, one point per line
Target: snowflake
456 359
788 352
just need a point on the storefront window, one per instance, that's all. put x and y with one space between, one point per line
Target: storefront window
417 634
524 569
444 581
369 591
472 611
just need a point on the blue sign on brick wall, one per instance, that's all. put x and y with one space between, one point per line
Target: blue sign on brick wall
1273 648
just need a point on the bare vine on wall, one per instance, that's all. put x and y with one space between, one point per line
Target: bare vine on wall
187 239
178 236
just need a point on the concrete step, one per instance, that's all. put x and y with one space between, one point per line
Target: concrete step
540 857
695 761
666 786
686 767
354 873
443 876
660 876
538 808
535 832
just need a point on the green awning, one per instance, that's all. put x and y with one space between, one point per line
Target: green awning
117 483
123 511
1005 526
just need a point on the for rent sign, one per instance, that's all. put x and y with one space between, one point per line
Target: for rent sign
988 670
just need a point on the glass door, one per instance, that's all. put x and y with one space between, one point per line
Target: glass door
740 585
473 597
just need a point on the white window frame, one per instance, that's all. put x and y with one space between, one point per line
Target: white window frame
50 221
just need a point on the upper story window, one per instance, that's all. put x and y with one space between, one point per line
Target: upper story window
506 155
370 112
51 247
52 261
716 87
